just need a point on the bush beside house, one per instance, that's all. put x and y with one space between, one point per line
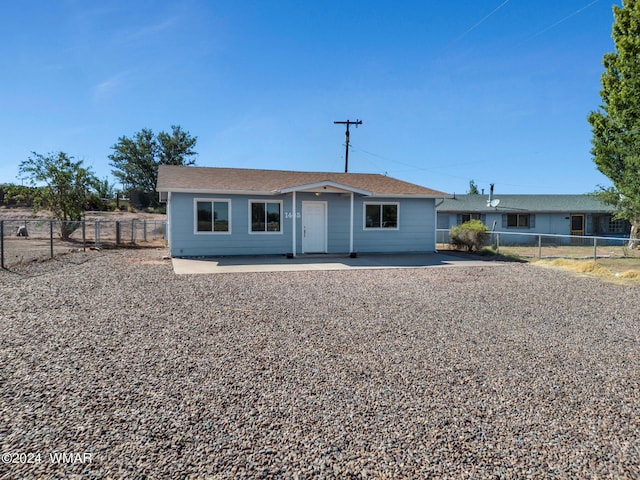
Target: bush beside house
472 235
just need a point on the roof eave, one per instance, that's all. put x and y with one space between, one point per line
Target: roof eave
216 191
517 209
411 195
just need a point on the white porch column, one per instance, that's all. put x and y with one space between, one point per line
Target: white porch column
351 226
293 219
435 219
167 227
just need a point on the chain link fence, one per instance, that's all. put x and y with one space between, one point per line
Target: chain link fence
28 240
539 245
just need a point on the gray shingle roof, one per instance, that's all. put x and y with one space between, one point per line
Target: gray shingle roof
179 178
528 203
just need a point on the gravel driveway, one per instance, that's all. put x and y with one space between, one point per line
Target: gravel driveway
114 367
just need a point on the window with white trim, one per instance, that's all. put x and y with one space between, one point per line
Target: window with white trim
381 216
265 217
212 216
518 220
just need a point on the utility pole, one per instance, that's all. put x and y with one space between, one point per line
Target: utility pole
346 153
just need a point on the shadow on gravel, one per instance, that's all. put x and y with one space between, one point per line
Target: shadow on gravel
320 262
484 257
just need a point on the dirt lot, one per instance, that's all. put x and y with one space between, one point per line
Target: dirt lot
474 372
615 259
136 228
7 213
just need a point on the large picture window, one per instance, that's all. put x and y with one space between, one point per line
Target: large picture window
212 216
381 215
266 217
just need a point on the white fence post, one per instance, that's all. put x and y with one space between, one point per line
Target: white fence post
539 246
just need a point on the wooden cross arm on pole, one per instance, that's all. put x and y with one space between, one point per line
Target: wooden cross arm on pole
346 155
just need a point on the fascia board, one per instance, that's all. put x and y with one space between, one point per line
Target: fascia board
409 195
217 191
298 188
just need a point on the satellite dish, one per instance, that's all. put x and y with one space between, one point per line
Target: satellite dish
493 203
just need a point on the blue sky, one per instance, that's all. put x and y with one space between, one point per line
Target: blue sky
491 90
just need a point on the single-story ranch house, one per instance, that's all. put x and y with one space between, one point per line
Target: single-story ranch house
582 215
233 211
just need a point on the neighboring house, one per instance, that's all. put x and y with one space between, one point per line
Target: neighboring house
547 214
231 211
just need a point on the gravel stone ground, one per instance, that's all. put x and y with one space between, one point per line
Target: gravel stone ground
468 372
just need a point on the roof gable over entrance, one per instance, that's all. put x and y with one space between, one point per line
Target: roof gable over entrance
172 178
325 186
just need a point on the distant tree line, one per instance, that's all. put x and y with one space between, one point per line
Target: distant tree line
13 195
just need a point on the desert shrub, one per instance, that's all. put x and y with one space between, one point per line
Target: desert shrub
162 208
13 195
472 235
95 203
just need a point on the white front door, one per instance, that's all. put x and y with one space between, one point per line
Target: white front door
314 227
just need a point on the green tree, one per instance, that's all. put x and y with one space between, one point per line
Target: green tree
616 125
472 235
102 195
65 190
473 188
17 195
104 189
136 159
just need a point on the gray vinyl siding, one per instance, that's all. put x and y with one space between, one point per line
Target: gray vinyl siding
550 223
443 221
416 231
239 242
554 223
550 213
337 221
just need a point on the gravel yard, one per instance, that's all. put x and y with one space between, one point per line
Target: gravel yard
467 372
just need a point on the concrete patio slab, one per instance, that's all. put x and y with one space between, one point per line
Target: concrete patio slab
190 266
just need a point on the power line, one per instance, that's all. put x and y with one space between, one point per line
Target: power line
484 19
413 167
436 170
562 20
